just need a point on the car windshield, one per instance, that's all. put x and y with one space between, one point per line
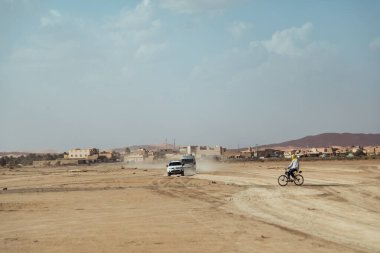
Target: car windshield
175 163
187 161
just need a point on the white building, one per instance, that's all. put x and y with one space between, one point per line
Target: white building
206 151
82 153
138 155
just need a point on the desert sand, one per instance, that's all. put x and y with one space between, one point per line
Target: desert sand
226 207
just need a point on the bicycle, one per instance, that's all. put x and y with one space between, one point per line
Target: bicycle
284 179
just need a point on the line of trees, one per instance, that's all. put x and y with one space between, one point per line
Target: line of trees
27 159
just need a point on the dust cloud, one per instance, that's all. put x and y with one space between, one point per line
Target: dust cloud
204 166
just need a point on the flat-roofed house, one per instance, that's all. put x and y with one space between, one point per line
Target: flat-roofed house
209 152
83 153
372 150
139 155
341 151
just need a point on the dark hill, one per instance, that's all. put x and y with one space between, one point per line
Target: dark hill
332 139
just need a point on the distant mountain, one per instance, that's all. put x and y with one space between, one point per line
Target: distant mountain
331 139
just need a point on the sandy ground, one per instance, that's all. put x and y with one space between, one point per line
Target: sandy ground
235 207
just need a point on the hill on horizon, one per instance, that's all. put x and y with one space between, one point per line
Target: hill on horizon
331 139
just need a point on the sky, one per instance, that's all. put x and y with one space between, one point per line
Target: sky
233 73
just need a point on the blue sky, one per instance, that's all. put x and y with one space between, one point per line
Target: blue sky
217 72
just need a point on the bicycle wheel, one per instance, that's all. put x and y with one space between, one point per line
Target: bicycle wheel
298 180
282 180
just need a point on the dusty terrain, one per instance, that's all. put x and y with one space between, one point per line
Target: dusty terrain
225 208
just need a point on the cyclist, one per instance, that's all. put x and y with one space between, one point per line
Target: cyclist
293 166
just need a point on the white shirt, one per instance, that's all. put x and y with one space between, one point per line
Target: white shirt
294 164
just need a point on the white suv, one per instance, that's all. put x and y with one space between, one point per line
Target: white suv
175 167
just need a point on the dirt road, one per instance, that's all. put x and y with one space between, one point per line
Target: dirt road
225 208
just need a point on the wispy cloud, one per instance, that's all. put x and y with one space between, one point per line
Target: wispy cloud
270 62
289 42
87 53
52 19
187 6
239 28
149 51
135 19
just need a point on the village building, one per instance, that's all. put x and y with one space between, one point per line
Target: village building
109 156
372 150
191 150
248 153
270 153
83 153
209 152
340 151
313 152
183 150
232 154
138 155
326 152
357 151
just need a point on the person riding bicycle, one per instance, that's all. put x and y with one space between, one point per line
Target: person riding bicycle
293 166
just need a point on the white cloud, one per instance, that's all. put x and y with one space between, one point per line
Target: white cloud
258 78
375 44
238 28
189 6
288 51
137 18
53 18
135 26
149 51
55 13
87 52
292 42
